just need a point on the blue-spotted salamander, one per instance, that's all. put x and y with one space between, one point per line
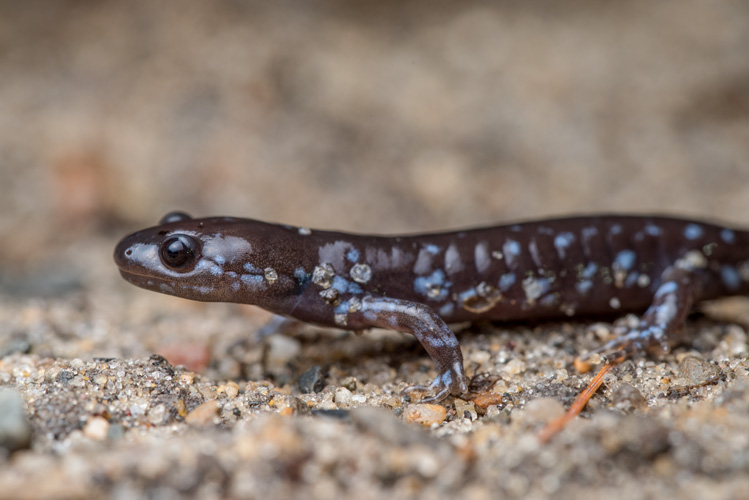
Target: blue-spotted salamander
559 268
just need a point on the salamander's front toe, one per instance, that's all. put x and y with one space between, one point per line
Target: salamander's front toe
446 383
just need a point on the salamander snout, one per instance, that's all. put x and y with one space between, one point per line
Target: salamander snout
150 254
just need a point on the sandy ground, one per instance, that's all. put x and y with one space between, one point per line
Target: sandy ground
367 117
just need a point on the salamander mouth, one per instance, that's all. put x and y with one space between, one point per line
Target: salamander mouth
143 280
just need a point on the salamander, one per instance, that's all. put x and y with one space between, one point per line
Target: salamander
546 269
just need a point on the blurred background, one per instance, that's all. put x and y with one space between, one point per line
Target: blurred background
363 116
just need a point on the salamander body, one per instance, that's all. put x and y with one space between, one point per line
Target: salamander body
578 266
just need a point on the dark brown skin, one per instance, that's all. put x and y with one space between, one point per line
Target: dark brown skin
578 266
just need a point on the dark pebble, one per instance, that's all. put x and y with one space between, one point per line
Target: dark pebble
311 381
15 430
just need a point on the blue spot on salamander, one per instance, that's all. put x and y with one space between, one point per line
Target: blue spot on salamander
511 250
583 287
728 236
432 249
693 231
625 260
343 286
353 255
433 286
250 268
562 241
730 277
589 271
506 281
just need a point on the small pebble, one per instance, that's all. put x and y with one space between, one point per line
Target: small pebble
627 398
342 397
281 350
541 410
193 355
157 414
231 389
697 371
425 414
15 430
465 409
487 399
311 381
205 414
514 367
96 428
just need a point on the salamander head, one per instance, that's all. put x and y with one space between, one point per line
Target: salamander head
199 259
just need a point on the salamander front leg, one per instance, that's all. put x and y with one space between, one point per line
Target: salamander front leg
422 322
665 317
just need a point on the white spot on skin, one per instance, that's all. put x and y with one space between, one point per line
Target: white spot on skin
643 280
616 229
335 253
481 256
692 260
562 242
511 250
614 303
535 287
693 231
380 260
231 248
305 231
453 264
424 259
497 255
399 258
666 312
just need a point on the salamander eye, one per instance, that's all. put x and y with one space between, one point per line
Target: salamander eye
179 252
175 216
